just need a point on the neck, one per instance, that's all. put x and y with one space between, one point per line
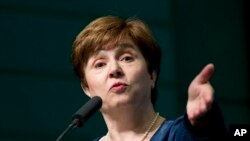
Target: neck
129 123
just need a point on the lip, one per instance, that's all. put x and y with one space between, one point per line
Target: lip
118 87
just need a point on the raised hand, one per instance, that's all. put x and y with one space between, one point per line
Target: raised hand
200 95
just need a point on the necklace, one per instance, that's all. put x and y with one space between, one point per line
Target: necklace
149 128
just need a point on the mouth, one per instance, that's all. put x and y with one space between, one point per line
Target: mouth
118 87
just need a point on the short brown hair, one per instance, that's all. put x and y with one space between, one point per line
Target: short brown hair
112 30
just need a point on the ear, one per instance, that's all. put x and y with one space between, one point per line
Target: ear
85 89
153 79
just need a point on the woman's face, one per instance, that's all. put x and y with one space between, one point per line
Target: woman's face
119 76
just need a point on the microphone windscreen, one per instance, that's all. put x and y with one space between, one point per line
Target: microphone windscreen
87 110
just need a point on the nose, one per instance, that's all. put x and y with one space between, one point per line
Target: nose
116 71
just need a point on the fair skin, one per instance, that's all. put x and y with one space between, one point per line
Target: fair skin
120 77
200 95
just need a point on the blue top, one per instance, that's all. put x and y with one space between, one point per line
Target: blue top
181 129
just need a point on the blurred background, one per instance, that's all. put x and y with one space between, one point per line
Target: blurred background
39 91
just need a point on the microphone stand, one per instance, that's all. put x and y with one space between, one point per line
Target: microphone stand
82 115
70 127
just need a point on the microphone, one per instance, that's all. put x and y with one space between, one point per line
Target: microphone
86 111
82 115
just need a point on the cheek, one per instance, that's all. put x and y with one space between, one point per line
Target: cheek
142 84
95 82
145 79
140 75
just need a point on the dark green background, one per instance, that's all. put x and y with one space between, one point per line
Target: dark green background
39 91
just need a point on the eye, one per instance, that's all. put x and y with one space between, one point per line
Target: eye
99 65
127 58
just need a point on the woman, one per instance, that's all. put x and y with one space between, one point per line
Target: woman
119 61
